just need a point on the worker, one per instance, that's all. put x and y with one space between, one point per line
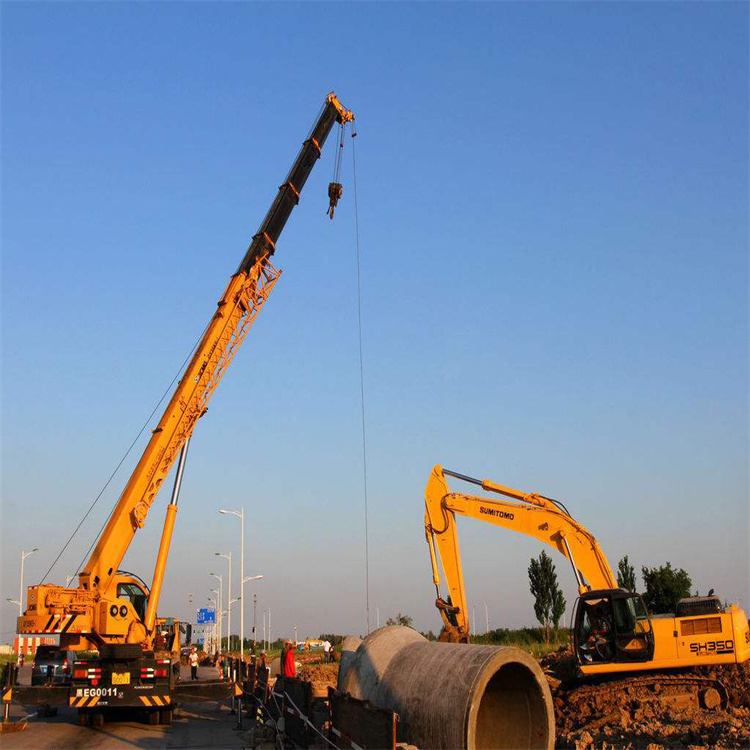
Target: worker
160 642
288 666
262 661
327 650
194 664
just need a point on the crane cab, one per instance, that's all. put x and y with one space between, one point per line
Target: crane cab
611 627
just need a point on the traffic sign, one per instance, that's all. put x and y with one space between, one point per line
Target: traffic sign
206 616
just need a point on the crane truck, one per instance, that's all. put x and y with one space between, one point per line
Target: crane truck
111 611
613 632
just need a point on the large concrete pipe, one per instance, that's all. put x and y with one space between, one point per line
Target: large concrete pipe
452 695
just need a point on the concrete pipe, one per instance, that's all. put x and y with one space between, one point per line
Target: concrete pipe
452 695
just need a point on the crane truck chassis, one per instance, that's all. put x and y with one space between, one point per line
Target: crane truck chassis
112 612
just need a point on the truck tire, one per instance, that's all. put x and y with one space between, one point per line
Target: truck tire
121 651
97 719
152 717
165 716
84 719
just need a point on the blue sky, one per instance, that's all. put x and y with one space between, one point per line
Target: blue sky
553 211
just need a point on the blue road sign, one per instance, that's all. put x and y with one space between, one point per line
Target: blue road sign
206 616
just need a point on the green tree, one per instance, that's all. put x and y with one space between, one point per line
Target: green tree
626 575
549 602
400 619
665 586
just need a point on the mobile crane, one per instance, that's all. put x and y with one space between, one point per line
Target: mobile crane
613 632
115 612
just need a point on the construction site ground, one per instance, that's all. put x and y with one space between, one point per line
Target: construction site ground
593 724
592 720
583 721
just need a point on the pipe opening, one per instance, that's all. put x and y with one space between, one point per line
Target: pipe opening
512 711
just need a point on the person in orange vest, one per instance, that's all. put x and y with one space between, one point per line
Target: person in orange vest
289 668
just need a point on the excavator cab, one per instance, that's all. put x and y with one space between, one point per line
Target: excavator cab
612 626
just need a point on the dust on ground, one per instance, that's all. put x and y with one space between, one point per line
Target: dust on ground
627 720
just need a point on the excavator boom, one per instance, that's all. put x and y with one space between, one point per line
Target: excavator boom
532 514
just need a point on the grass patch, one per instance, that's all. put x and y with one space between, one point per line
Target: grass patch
529 639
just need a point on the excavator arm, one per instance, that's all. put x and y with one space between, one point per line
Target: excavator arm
530 514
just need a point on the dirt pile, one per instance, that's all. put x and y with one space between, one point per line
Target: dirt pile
321 675
627 714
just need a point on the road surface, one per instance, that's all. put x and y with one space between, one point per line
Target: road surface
196 725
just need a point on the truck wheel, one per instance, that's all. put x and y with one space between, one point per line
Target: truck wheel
165 716
152 717
97 719
84 719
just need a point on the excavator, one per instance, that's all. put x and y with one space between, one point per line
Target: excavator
612 630
111 611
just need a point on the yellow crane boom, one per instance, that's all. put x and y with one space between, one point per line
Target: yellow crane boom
107 606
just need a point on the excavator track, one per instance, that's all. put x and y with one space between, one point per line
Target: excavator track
635 697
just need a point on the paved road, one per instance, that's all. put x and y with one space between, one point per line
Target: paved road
195 726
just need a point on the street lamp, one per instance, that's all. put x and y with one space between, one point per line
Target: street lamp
212 602
229 598
220 602
24 555
241 515
255 632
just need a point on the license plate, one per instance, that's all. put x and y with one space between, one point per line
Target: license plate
121 678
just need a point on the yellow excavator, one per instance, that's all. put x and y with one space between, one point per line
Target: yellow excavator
613 632
114 612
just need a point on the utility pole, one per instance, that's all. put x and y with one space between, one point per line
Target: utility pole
295 636
265 642
473 620
269 629
486 619
377 614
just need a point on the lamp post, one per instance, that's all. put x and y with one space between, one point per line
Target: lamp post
242 609
241 515
220 608
229 598
255 607
265 642
486 619
24 555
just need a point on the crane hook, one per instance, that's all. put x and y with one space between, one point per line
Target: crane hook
335 191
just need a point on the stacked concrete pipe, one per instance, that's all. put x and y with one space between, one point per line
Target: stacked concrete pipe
451 695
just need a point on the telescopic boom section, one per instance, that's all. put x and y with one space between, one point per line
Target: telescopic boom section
247 291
